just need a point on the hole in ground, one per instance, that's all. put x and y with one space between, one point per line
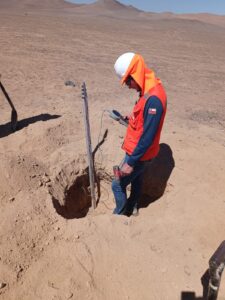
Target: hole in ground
77 199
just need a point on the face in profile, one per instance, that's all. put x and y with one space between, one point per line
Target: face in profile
132 84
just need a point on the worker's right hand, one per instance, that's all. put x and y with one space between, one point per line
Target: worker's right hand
126 118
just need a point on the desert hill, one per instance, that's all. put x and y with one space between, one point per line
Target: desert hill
111 8
206 18
59 4
111 5
35 4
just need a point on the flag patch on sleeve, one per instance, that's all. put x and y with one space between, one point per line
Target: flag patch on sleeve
152 111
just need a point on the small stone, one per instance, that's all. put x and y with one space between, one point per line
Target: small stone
187 270
77 236
57 228
69 83
19 270
2 285
11 199
69 296
153 248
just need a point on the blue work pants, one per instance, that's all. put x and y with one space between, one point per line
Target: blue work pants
124 205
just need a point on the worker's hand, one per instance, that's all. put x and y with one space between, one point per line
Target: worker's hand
126 117
126 169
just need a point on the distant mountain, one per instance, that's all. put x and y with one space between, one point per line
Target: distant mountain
112 8
109 7
99 7
36 4
112 5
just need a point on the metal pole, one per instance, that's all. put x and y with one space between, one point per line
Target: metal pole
88 143
14 112
216 266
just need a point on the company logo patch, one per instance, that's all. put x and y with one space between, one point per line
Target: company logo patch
152 111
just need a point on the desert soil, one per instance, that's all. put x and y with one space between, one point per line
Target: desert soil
51 246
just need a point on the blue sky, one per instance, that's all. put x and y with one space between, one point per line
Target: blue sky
176 6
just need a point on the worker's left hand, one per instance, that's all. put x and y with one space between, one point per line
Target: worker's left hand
126 169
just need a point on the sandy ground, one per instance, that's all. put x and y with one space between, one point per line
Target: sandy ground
51 247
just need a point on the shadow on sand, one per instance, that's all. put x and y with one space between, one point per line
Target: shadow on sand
6 129
156 175
189 296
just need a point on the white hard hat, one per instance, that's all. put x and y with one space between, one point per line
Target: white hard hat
122 63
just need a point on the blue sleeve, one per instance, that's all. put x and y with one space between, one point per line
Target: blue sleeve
152 115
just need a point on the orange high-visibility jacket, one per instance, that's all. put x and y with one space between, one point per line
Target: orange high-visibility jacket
150 86
136 124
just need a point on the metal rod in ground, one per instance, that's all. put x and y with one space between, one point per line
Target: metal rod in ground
216 266
88 143
14 112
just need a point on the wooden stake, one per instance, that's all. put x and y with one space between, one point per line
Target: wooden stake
88 143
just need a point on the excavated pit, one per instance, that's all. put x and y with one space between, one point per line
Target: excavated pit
77 199
70 190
